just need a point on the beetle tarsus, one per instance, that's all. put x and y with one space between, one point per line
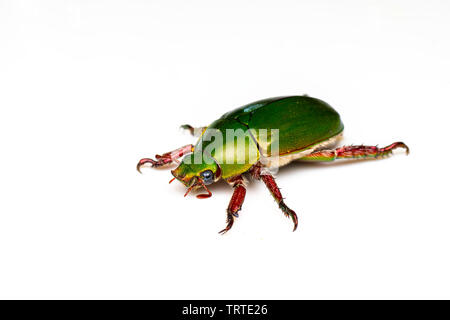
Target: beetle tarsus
269 181
393 146
166 158
153 163
236 201
355 152
368 151
289 213
230 221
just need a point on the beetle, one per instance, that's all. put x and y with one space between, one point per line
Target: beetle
306 128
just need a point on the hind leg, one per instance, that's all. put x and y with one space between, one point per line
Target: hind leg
355 152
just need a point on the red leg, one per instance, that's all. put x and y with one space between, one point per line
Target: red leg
355 152
236 201
270 183
166 158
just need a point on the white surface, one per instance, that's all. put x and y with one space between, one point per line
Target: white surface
89 88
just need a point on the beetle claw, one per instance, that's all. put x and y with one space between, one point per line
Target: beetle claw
404 146
289 213
166 158
388 150
141 162
230 221
160 161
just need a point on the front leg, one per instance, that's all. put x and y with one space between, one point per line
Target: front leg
258 173
236 201
166 158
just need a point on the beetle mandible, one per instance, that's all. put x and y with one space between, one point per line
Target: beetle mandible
307 129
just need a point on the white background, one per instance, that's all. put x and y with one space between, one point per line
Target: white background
87 88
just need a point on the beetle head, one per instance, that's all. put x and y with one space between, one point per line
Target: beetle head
195 172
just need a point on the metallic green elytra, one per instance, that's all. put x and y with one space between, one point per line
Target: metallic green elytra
303 122
258 138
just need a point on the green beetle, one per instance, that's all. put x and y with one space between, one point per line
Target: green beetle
271 133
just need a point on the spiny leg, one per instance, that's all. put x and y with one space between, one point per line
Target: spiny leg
236 201
270 183
166 158
196 132
355 152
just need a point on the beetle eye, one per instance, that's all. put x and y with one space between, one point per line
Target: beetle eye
207 176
